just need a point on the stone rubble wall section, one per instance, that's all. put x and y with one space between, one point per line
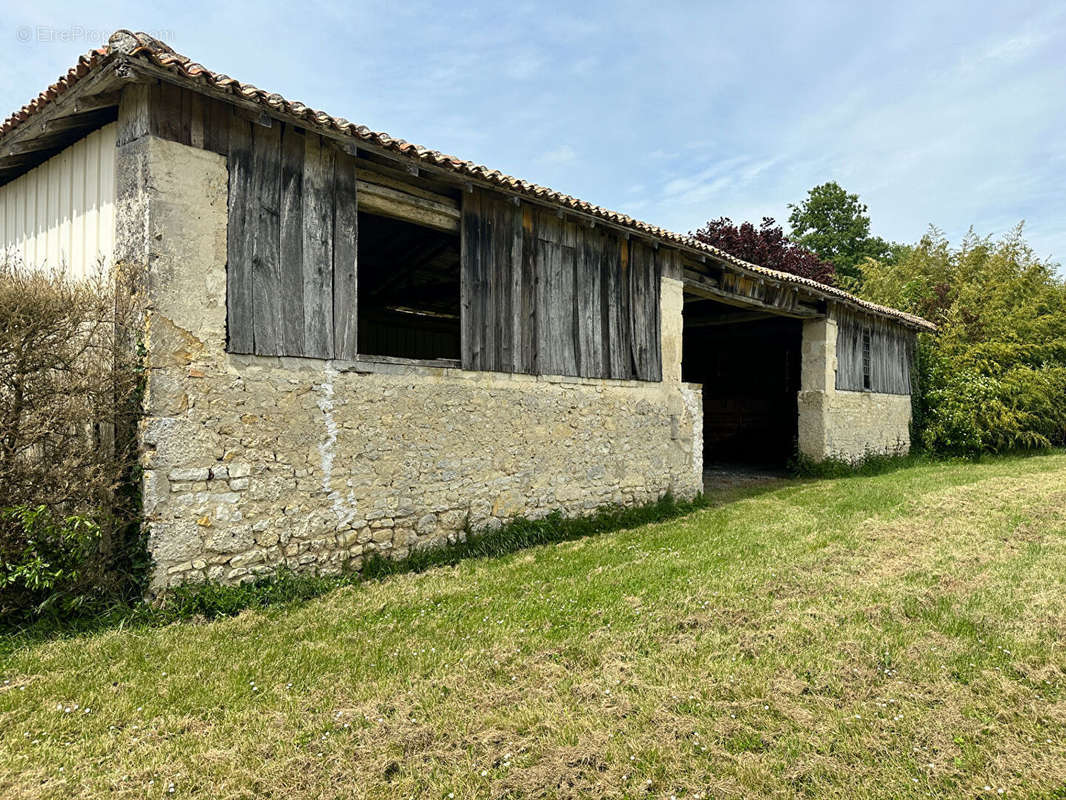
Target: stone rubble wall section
252 463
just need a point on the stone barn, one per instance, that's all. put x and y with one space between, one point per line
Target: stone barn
359 345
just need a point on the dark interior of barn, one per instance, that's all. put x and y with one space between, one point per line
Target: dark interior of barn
408 290
749 364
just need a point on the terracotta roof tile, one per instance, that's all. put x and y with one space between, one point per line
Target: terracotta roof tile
153 51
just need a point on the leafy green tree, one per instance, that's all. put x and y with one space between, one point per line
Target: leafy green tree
994 376
835 225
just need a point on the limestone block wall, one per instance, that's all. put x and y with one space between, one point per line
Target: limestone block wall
862 422
839 424
255 462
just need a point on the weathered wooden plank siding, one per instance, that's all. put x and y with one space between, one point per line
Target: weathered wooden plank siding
497 285
545 295
188 117
293 146
523 321
557 341
529 321
291 249
317 266
345 256
268 304
239 240
617 332
539 294
588 301
891 354
476 349
644 283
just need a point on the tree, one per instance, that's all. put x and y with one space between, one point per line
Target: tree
994 376
766 246
834 224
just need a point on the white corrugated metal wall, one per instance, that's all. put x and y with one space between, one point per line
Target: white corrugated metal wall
61 214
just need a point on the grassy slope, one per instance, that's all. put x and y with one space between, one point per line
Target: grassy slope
893 636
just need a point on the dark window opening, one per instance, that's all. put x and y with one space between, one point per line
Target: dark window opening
408 290
866 382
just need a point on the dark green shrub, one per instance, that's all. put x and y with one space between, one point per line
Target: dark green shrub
48 565
993 379
992 407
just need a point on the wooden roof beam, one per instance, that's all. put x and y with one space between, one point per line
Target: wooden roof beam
735 318
98 85
59 133
698 285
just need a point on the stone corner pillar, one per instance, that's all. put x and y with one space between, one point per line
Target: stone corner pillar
671 327
817 385
684 400
171 216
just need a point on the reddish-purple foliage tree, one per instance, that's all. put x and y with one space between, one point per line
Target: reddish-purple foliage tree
766 246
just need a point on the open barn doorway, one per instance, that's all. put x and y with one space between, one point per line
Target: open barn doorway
748 361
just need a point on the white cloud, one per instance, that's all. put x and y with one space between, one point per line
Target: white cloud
951 114
563 154
523 66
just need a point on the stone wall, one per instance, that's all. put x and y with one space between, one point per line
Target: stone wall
841 424
255 462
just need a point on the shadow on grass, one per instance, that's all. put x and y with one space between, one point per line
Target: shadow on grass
872 464
285 588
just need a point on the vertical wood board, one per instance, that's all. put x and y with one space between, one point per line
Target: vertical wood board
345 256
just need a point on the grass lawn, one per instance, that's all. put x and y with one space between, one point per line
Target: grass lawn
894 636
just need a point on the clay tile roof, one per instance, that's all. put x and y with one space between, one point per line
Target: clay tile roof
124 43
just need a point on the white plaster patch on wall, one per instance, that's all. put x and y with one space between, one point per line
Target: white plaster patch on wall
343 507
693 400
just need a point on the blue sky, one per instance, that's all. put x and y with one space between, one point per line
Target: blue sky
944 113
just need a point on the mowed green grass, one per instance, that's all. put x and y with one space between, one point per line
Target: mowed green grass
894 636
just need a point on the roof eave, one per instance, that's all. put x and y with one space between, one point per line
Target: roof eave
81 105
137 57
